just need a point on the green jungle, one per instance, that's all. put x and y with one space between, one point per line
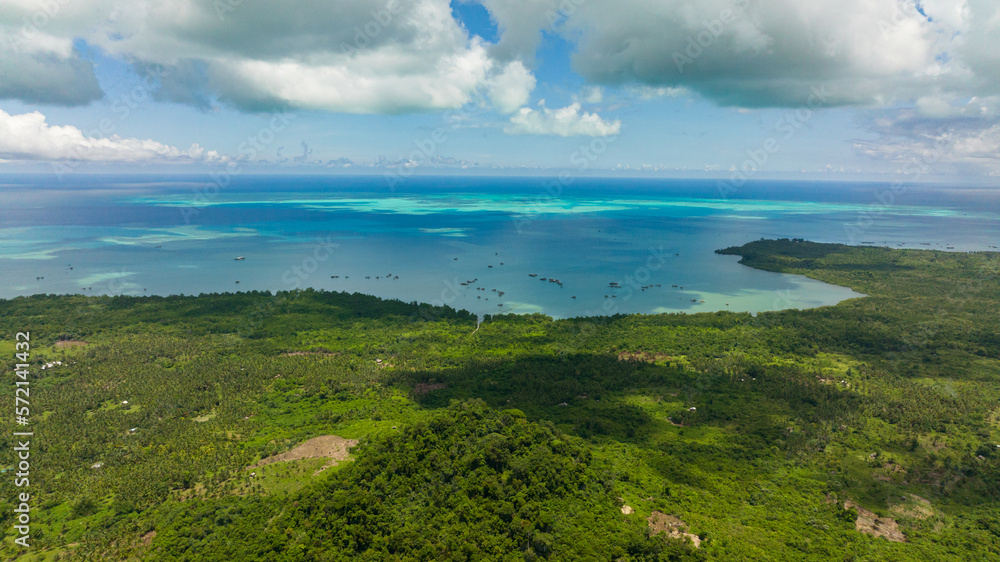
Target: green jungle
311 425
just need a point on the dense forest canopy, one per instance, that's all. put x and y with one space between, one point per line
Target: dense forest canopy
174 428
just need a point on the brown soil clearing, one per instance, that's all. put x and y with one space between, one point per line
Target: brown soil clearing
660 522
872 524
325 446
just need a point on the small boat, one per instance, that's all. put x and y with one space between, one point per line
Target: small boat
239 258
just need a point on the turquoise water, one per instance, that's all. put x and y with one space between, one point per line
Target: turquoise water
435 239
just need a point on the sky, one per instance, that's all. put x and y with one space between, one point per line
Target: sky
838 89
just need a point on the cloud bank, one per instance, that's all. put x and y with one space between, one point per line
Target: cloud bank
566 122
29 137
919 62
363 56
395 56
751 53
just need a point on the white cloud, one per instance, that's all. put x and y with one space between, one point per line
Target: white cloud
512 87
565 122
358 87
521 23
388 56
763 53
755 54
43 71
363 56
29 137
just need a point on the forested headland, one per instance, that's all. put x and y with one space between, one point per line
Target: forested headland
186 427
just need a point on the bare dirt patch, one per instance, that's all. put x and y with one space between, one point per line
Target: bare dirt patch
147 539
61 344
643 356
872 524
914 506
660 522
330 447
424 388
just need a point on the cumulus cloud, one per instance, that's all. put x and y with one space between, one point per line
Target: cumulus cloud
29 137
754 54
512 88
48 79
520 23
37 67
566 122
363 56
391 56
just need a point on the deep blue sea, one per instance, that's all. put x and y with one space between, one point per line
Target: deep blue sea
461 241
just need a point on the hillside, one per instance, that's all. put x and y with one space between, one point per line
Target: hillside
529 438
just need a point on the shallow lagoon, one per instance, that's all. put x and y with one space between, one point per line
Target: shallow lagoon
435 239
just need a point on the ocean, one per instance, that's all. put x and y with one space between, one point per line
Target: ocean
485 244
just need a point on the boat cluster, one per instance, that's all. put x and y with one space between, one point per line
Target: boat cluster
549 279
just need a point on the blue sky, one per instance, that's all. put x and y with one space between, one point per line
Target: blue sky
671 88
